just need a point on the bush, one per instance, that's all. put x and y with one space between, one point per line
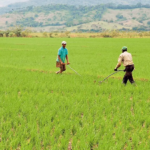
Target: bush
106 35
11 34
140 34
45 34
114 33
148 23
18 31
24 34
7 33
50 35
1 33
120 17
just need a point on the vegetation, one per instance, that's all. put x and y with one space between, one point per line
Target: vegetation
120 17
15 32
42 110
80 18
19 32
61 17
73 16
34 3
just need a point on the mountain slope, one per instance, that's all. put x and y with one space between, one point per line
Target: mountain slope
89 2
72 2
63 17
20 4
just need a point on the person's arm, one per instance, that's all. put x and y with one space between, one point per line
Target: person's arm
60 60
67 60
59 54
119 63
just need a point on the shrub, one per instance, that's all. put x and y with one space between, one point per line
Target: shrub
119 16
50 35
148 23
18 31
7 33
24 34
11 34
1 33
45 34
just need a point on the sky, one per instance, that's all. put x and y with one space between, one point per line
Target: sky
7 2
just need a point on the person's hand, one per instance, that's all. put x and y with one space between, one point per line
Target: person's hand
68 63
62 63
115 69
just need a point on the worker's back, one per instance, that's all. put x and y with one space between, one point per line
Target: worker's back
126 58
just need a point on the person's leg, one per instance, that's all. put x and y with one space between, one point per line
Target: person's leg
64 67
61 69
131 78
130 75
58 65
125 78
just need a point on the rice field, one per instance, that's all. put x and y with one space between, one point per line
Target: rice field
42 110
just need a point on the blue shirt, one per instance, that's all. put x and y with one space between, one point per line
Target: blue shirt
62 52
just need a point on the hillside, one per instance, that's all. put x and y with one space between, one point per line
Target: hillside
83 18
71 2
26 3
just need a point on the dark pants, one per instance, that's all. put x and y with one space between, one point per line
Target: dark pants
128 75
62 68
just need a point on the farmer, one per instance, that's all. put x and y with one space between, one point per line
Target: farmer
62 55
126 59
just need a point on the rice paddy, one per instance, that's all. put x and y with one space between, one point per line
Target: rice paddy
42 110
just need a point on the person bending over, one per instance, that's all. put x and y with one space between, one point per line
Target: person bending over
126 59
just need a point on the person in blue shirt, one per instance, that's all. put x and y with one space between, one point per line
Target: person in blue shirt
62 55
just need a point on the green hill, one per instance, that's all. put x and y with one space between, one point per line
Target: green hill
24 3
19 4
79 18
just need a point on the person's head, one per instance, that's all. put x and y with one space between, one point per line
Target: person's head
64 43
124 49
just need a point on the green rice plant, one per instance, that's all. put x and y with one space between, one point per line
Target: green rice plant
42 110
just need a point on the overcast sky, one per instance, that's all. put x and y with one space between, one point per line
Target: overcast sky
7 2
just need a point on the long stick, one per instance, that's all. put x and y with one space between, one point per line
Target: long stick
111 75
73 70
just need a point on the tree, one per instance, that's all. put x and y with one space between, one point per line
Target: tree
1 33
45 34
119 16
7 33
18 31
148 23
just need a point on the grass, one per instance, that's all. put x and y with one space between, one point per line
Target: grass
42 110
106 34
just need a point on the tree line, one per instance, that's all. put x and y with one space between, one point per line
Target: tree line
15 32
